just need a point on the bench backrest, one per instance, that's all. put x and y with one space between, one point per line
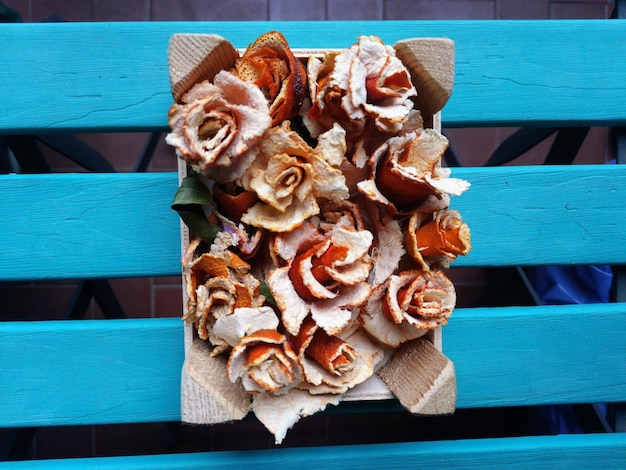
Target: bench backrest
69 78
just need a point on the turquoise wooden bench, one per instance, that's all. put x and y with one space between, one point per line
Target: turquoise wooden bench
68 78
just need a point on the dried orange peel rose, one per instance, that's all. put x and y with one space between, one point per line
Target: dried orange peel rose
405 174
334 223
270 64
218 282
322 270
217 126
334 364
437 240
365 82
265 362
408 305
289 178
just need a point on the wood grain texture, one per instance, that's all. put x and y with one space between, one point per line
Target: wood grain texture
544 215
88 225
129 371
431 64
73 372
193 58
507 72
421 378
120 225
207 396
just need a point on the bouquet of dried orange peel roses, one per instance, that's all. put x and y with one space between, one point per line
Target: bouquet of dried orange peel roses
319 217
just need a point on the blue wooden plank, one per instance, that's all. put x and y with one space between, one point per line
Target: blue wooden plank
88 226
546 215
508 72
597 451
120 225
59 373
123 371
77 372
538 355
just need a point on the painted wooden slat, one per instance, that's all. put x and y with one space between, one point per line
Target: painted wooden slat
599 451
76 372
88 226
538 355
95 372
507 72
119 225
64 226
544 215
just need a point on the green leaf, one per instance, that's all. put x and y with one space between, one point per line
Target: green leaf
265 290
192 191
199 225
188 201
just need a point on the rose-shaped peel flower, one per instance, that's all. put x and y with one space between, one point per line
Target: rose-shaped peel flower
342 258
408 305
423 299
327 84
366 81
271 66
388 85
218 282
372 138
406 174
289 177
437 241
332 364
323 272
265 362
193 278
331 352
217 125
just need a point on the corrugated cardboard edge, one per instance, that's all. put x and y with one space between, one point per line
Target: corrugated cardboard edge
193 58
422 378
207 394
431 64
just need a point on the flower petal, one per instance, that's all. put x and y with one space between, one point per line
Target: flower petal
245 321
279 413
294 309
335 315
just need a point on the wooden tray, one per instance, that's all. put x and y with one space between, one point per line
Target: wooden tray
419 375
